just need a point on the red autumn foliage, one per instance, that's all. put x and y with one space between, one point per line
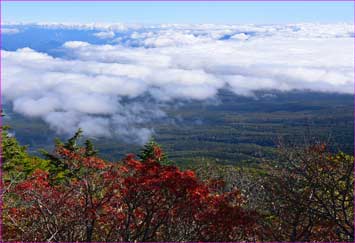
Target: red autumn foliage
129 201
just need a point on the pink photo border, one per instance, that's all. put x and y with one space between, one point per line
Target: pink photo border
201 1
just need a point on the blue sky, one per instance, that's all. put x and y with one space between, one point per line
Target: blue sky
179 12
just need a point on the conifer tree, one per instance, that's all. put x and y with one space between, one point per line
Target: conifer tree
152 151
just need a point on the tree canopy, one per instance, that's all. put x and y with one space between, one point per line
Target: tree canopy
71 194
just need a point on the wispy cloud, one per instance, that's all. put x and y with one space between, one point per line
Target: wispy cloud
105 34
9 31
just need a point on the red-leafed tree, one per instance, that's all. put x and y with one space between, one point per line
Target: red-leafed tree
48 209
87 199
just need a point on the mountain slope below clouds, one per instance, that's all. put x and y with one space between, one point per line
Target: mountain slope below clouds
232 129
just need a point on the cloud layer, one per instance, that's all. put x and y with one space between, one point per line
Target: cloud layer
117 88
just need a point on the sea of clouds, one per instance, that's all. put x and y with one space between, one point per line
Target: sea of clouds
115 89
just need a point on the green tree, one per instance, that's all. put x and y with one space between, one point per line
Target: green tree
58 166
153 151
16 162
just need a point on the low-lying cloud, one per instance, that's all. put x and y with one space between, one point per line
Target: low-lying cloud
105 34
104 88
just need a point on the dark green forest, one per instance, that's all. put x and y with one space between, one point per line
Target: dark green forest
232 129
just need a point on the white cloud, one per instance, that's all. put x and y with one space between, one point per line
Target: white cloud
105 34
36 107
75 44
102 88
83 26
240 36
172 38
